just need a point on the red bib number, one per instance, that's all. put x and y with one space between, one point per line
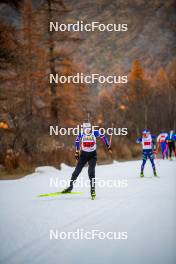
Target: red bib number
88 144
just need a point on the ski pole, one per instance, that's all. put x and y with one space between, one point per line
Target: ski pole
155 156
166 148
110 140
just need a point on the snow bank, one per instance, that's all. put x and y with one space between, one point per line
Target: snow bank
145 209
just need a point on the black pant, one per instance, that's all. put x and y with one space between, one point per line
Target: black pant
171 145
91 158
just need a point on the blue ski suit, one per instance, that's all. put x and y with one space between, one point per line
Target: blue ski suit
88 155
147 144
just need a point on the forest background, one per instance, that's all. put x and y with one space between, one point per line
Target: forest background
29 52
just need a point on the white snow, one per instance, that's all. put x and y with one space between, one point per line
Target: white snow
145 209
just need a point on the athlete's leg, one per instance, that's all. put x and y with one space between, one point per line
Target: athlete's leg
151 157
162 144
174 149
166 151
172 143
91 171
170 149
81 162
144 159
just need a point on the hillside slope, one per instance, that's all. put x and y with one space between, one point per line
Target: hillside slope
145 209
150 38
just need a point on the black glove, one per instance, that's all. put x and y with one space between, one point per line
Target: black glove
77 155
109 148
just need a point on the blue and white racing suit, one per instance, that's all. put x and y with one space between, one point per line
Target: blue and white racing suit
147 144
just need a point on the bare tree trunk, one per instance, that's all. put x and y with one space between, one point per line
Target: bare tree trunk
146 116
51 48
30 67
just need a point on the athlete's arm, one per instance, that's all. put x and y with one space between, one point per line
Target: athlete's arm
138 140
102 137
158 138
154 139
77 145
174 137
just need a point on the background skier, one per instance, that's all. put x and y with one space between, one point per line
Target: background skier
148 141
161 140
171 138
87 153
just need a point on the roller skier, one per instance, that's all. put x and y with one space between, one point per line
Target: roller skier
171 139
148 143
86 153
161 140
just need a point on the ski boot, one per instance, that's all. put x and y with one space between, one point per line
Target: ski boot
67 190
142 174
93 195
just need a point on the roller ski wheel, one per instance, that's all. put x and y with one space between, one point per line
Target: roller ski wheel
93 195
67 190
142 175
